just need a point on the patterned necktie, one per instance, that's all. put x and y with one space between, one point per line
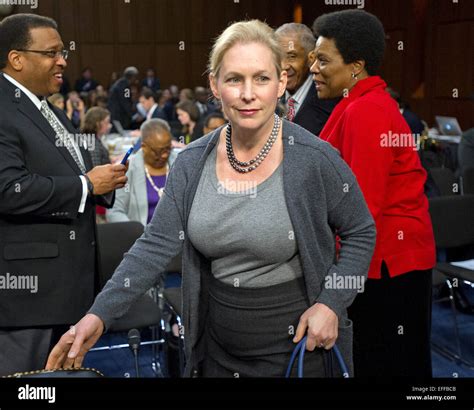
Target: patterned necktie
291 110
62 134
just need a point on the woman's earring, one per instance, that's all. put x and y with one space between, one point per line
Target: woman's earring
354 76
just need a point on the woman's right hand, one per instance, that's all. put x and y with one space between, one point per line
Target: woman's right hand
75 343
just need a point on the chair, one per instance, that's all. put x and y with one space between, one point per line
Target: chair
453 226
114 240
445 181
172 297
468 181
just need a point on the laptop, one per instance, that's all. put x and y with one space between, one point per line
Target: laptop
448 126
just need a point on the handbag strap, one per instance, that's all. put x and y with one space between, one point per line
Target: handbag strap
299 351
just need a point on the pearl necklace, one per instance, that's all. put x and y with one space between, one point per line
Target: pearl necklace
249 166
159 191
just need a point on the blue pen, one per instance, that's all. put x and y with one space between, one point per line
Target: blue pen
125 158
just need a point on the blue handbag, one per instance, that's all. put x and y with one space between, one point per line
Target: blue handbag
300 350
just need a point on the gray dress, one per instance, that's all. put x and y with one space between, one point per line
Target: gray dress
256 290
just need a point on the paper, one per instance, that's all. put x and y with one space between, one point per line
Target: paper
469 264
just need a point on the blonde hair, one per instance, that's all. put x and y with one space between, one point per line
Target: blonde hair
252 31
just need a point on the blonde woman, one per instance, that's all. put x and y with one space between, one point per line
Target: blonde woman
254 207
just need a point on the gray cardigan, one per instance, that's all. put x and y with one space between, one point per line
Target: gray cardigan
322 196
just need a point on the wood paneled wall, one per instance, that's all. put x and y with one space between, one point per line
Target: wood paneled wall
437 57
173 36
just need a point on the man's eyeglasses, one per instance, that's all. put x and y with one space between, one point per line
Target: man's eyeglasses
50 53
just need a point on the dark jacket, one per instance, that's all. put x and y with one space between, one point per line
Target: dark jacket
314 112
42 232
84 86
155 84
120 103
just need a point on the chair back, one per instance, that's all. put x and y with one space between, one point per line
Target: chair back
453 220
444 179
113 241
468 181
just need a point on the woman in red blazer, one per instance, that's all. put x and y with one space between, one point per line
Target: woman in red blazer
392 316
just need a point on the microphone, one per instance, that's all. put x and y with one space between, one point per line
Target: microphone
134 344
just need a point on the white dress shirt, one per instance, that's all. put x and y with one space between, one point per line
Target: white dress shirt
151 112
36 101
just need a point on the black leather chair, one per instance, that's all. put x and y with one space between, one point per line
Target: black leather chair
468 181
114 240
173 300
445 181
453 226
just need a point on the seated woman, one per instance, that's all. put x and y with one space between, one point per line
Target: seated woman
96 123
392 317
75 108
94 126
254 207
147 173
188 116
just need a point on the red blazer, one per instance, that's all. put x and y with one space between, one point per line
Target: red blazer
372 137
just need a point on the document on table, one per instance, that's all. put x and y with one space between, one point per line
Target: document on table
469 264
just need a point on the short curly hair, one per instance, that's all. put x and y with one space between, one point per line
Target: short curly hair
358 36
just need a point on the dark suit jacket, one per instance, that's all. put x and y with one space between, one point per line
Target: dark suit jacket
413 122
121 107
41 231
209 108
159 113
155 86
314 112
84 86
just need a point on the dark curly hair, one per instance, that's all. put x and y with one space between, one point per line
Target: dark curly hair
15 32
358 36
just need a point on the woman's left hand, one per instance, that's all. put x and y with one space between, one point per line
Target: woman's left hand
320 324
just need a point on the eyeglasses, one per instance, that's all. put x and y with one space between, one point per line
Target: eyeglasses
50 53
159 153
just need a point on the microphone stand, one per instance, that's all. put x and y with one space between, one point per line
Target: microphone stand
134 340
